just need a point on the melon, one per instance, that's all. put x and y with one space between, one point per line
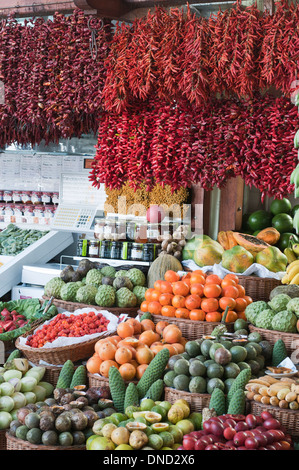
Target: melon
159 267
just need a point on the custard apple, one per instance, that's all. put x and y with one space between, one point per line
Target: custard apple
87 294
139 291
279 302
136 276
125 298
105 296
94 277
121 281
253 309
284 321
53 287
121 272
293 306
68 292
264 319
108 271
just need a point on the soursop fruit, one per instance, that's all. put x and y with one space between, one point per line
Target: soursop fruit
284 321
68 292
121 281
108 271
125 298
121 272
264 319
94 277
136 276
105 296
53 287
252 310
87 294
279 302
139 291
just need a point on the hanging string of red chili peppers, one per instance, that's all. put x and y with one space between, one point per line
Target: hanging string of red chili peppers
180 145
53 83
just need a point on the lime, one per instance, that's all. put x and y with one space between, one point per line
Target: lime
168 439
279 206
155 441
259 220
282 222
147 404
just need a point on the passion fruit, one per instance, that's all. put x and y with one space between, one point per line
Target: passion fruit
135 426
160 427
152 417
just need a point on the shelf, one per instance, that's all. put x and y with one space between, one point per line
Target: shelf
111 262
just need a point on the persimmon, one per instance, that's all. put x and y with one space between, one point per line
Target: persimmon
123 355
213 317
231 291
192 302
212 290
225 302
127 371
93 364
180 288
147 324
154 307
165 299
231 316
209 305
105 366
241 304
182 313
168 311
213 279
197 315
144 306
171 276
197 289
241 290
178 301
125 329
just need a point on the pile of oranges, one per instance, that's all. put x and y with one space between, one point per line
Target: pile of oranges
197 296
134 346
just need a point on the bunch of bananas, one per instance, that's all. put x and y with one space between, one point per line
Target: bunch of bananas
292 273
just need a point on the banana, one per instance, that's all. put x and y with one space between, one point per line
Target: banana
295 249
296 221
291 265
290 255
295 279
293 272
285 279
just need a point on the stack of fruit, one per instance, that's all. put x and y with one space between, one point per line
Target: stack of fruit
134 346
283 392
197 296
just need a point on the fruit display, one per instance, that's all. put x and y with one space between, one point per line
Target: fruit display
292 273
239 432
13 240
134 346
280 313
283 392
151 425
218 362
104 286
68 326
197 296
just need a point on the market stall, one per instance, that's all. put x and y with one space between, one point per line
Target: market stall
148 185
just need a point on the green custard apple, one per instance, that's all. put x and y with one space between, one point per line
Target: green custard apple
53 287
94 277
284 321
68 292
136 276
105 296
264 319
126 298
87 294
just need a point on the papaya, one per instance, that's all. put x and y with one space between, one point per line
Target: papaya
231 239
272 258
237 259
249 242
208 253
269 235
191 245
223 240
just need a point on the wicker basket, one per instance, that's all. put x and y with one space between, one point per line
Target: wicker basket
197 401
96 380
72 306
19 444
288 418
52 373
191 329
291 340
258 288
3 444
59 355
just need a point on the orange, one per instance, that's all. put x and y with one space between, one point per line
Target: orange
182 313
165 299
241 304
209 305
125 329
212 290
106 350
136 324
168 311
232 276
180 288
147 324
171 276
192 302
140 370
144 306
242 315
148 294
197 315
197 289
248 299
127 371
228 282
213 317
227 302
231 316
155 296
165 287
160 326
197 278
93 364
148 337
123 355
231 291
105 366
157 285
241 290
213 279
144 355
154 307
178 301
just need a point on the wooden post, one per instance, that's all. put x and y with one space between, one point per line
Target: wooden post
231 205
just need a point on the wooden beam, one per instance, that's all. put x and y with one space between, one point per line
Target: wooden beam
231 205
197 209
22 8
269 5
